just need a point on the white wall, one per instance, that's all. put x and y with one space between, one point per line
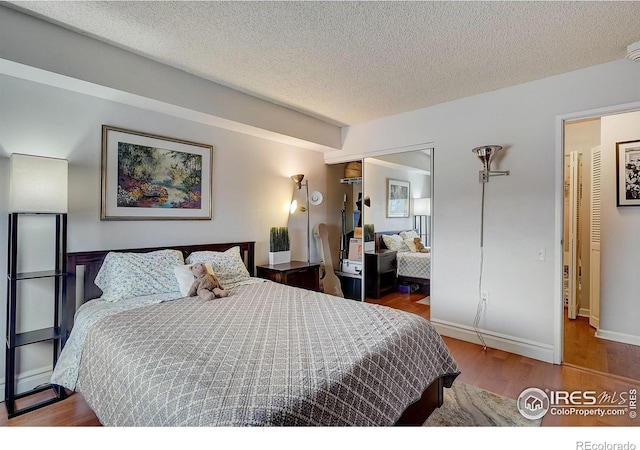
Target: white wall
520 216
251 185
376 175
620 244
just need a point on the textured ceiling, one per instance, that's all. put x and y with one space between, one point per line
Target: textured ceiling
349 62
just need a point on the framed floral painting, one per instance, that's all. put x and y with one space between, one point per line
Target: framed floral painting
151 177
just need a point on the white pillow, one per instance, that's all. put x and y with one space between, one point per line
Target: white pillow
395 242
185 277
411 234
126 275
228 266
412 245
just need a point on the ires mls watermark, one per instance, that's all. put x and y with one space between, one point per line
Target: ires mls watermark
534 403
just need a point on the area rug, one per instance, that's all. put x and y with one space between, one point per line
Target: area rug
425 301
469 406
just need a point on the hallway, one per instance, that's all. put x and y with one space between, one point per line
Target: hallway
582 349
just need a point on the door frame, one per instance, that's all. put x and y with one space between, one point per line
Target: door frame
574 177
558 319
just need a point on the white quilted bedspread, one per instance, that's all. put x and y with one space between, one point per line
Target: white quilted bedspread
414 264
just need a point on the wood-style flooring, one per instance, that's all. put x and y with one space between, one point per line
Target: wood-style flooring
583 349
497 371
508 374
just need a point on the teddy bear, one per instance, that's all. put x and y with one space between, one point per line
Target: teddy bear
206 286
419 247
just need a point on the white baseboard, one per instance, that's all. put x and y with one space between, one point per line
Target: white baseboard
28 380
618 337
530 349
584 312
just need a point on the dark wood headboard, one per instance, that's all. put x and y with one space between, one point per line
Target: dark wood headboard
91 261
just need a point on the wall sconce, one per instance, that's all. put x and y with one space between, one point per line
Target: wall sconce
486 154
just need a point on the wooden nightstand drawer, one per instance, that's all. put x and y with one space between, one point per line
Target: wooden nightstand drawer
387 262
295 273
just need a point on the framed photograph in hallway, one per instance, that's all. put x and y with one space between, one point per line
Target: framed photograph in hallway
628 173
151 177
397 198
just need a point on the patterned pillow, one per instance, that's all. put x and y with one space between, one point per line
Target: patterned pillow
127 275
228 266
411 244
411 234
395 242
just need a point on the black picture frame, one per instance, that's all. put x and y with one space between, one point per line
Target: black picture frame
628 173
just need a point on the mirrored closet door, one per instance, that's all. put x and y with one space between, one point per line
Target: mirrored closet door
397 203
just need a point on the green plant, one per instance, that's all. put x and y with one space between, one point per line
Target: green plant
369 234
279 239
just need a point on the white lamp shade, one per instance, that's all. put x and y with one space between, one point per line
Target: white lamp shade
422 206
37 184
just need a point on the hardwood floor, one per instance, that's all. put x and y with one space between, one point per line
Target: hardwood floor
508 374
496 371
583 349
72 411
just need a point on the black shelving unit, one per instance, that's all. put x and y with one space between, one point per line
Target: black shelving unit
55 334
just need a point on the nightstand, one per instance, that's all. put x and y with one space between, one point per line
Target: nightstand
380 272
295 273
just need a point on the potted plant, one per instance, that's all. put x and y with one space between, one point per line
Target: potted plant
369 237
279 247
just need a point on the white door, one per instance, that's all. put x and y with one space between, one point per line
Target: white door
574 164
594 245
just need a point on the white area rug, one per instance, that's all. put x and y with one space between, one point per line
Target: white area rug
425 301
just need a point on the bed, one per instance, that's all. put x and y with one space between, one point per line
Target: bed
266 355
412 267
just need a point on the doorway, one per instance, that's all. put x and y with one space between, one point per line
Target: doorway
587 183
